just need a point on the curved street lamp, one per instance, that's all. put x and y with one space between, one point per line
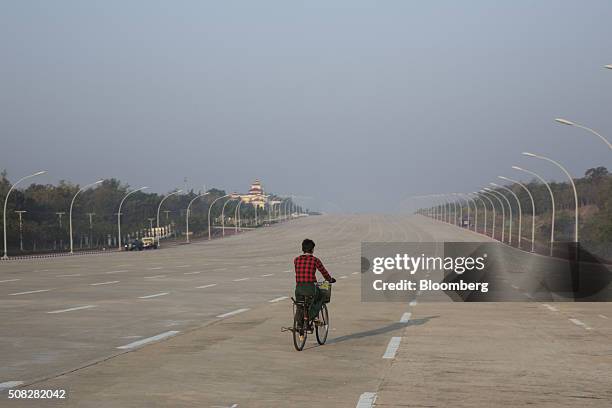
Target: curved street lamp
72 204
485 212
482 194
232 198
501 204
571 180
158 209
461 210
237 216
552 201
119 215
497 193
532 209
187 214
468 199
520 211
38 173
570 123
447 210
210 208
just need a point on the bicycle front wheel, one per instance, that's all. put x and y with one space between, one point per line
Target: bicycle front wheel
299 331
322 327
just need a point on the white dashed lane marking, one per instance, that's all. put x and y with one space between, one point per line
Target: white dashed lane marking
235 312
183 266
29 292
551 308
366 400
72 309
120 271
392 347
156 268
405 317
148 340
192 273
156 276
278 299
206 286
68 276
9 384
241 279
267 274
603 316
154 295
9 280
580 323
103 283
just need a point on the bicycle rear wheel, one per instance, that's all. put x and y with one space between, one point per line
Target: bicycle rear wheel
299 330
322 327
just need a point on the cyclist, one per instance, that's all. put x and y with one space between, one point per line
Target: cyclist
306 266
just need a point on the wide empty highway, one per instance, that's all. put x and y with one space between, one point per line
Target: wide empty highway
200 325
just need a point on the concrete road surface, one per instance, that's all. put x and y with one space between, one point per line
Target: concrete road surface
200 325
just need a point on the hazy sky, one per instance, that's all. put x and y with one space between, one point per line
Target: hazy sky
358 104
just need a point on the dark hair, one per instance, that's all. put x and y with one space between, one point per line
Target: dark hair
308 245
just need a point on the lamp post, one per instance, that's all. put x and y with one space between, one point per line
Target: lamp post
468 199
188 212
501 204
70 214
485 212
461 210
520 211
532 208
481 194
158 210
6 202
237 216
223 214
446 208
210 208
119 214
570 123
552 201
497 193
571 180
20 214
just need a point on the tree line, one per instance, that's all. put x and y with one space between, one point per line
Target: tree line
45 211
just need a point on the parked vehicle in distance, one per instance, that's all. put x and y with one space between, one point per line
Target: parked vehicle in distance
134 245
149 243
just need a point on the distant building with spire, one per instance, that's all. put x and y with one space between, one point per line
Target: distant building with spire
256 196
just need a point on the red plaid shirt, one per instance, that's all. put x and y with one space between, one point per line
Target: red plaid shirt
306 267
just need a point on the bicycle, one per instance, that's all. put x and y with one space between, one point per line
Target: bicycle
301 322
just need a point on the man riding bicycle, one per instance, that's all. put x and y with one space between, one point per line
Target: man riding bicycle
306 266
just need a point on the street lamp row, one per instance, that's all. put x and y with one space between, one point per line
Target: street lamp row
232 196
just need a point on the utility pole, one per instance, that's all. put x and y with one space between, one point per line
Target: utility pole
151 225
90 215
20 229
60 214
